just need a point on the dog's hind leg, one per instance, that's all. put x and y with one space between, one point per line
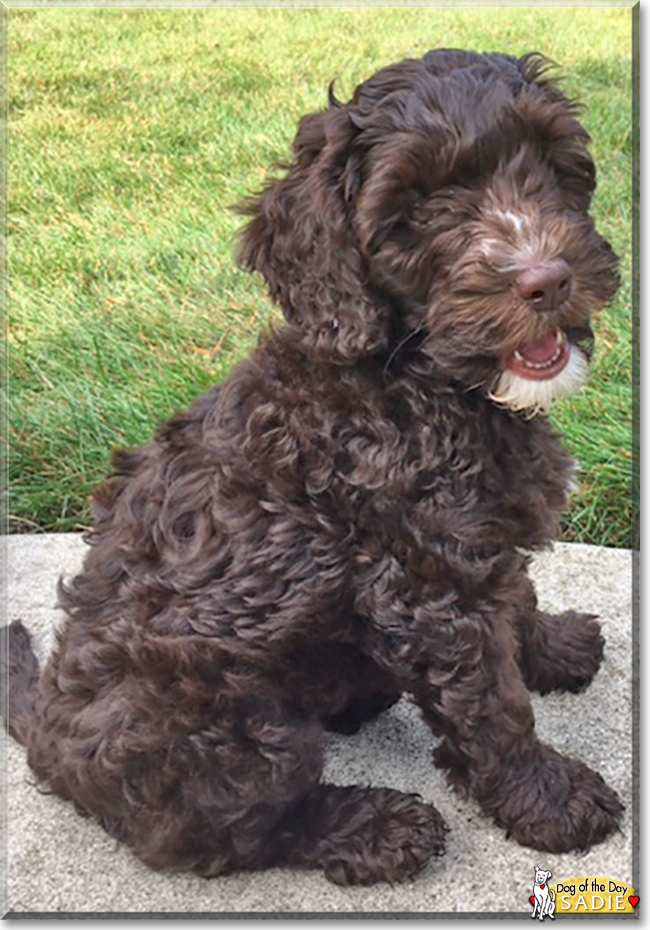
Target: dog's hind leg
559 652
252 799
356 835
360 835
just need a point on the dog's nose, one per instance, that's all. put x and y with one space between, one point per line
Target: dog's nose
545 286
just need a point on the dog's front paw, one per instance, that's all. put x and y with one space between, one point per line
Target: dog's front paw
559 805
563 653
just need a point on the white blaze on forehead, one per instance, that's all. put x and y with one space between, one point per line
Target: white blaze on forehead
528 241
527 251
518 220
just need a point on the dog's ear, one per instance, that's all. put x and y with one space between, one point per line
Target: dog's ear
301 239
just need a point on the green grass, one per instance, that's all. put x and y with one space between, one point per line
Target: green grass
131 133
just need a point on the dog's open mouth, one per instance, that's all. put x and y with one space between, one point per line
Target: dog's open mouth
541 360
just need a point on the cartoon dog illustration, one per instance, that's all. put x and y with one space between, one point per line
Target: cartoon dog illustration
544 905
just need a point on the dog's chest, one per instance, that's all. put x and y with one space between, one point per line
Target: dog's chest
462 468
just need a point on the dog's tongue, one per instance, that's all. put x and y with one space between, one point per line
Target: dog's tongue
542 351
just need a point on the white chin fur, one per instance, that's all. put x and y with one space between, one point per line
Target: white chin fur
537 396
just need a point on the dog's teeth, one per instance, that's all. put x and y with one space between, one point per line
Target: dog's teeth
540 365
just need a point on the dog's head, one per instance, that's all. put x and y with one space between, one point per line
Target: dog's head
542 876
444 208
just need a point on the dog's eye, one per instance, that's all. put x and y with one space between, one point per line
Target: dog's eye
577 186
401 228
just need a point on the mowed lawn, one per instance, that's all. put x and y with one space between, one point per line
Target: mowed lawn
131 133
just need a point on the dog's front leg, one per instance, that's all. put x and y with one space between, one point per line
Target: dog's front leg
462 669
491 751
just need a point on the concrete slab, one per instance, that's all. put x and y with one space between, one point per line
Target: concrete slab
61 864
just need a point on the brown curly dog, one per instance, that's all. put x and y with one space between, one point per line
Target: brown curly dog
342 521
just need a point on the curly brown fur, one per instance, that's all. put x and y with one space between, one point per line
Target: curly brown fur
341 521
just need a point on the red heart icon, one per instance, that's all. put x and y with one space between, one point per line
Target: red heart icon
532 899
633 899
542 886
